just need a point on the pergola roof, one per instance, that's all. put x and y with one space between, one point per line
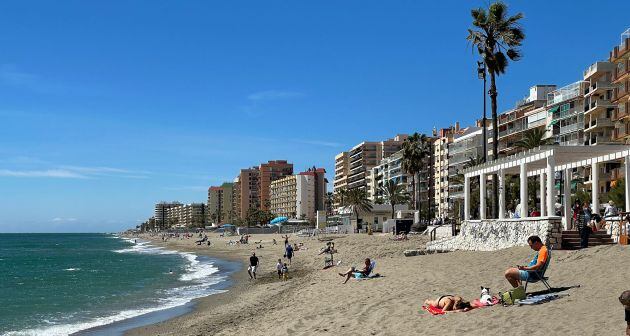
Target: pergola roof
565 157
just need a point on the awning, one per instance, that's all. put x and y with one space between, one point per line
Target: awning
553 122
554 109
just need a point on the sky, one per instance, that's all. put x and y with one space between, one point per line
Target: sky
109 107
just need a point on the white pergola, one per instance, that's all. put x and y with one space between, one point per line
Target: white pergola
544 162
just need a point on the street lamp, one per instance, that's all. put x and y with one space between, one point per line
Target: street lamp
481 74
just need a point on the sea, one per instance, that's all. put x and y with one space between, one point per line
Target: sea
98 284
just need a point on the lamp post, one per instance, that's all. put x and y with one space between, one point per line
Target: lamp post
481 73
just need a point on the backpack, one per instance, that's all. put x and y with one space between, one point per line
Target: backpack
510 297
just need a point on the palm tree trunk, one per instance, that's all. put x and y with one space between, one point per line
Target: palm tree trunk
393 205
413 190
495 145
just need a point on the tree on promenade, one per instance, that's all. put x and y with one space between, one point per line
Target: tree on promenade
497 37
394 193
533 138
359 201
416 149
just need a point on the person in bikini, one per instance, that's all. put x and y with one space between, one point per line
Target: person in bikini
449 303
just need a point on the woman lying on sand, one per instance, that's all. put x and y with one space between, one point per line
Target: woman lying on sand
449 303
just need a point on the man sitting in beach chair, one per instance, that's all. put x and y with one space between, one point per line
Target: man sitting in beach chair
359 274
533 272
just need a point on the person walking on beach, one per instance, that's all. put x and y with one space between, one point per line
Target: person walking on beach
289 252
279 268
253 264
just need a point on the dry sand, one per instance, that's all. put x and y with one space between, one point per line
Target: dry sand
314 301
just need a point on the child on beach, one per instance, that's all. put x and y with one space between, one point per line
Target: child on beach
285 272
279 267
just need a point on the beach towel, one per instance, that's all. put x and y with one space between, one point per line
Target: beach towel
538 299
433 310
478 304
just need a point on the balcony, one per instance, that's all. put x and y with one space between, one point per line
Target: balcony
597 104
598 86
597 67
623 48
621 91
621 132
598 123
621 70
565 93
568 129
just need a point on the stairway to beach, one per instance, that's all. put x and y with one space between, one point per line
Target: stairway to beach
571 239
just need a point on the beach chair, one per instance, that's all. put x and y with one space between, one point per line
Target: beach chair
540 274
371 274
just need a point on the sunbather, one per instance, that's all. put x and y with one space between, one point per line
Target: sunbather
364 273
330 246
449 303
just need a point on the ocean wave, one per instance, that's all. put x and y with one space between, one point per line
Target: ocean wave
197 270
72 269
66 329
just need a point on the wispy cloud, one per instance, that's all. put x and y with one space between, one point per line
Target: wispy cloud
274 95
11 75
72 172
62 219
318 143
54 173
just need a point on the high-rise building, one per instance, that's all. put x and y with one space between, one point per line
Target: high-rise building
360 160
598 107
269 172
620 57
443 138
465 145
514 123
566 107
249 195
160 213
299 196
187 215
215 200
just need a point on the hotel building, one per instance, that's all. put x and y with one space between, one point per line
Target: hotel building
160 213
299 196
620 57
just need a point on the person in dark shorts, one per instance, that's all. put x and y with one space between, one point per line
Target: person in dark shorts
289 252
624 298
253 264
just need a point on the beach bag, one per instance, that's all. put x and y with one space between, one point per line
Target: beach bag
512 295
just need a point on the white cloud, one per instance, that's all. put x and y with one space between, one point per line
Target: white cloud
54 173
274 95
61 219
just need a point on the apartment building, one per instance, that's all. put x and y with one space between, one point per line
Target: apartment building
620 57
187 215
249 190
362 158
598 107
220 208
389 169
269 172
566 107
236 198
465 145
528 114
160 213
443 138
299 196
342 169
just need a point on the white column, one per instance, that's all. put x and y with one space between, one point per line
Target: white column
466 197
551 197
501 175
482 196
524 212
567 199
627 176
595 188
543 207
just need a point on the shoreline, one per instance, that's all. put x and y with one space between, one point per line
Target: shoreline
314 301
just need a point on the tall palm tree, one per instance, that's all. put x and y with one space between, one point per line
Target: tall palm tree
533 138
497 38
341 197
330 199
394 193
416 148
359 201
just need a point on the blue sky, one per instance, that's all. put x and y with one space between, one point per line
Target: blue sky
108 107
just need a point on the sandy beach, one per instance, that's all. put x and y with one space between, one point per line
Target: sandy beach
315 301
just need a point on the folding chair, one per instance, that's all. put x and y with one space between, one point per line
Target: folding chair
540 274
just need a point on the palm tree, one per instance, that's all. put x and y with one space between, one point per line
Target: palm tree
394 193
533 138
359 201
416 148
497 38
330 199
341 197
